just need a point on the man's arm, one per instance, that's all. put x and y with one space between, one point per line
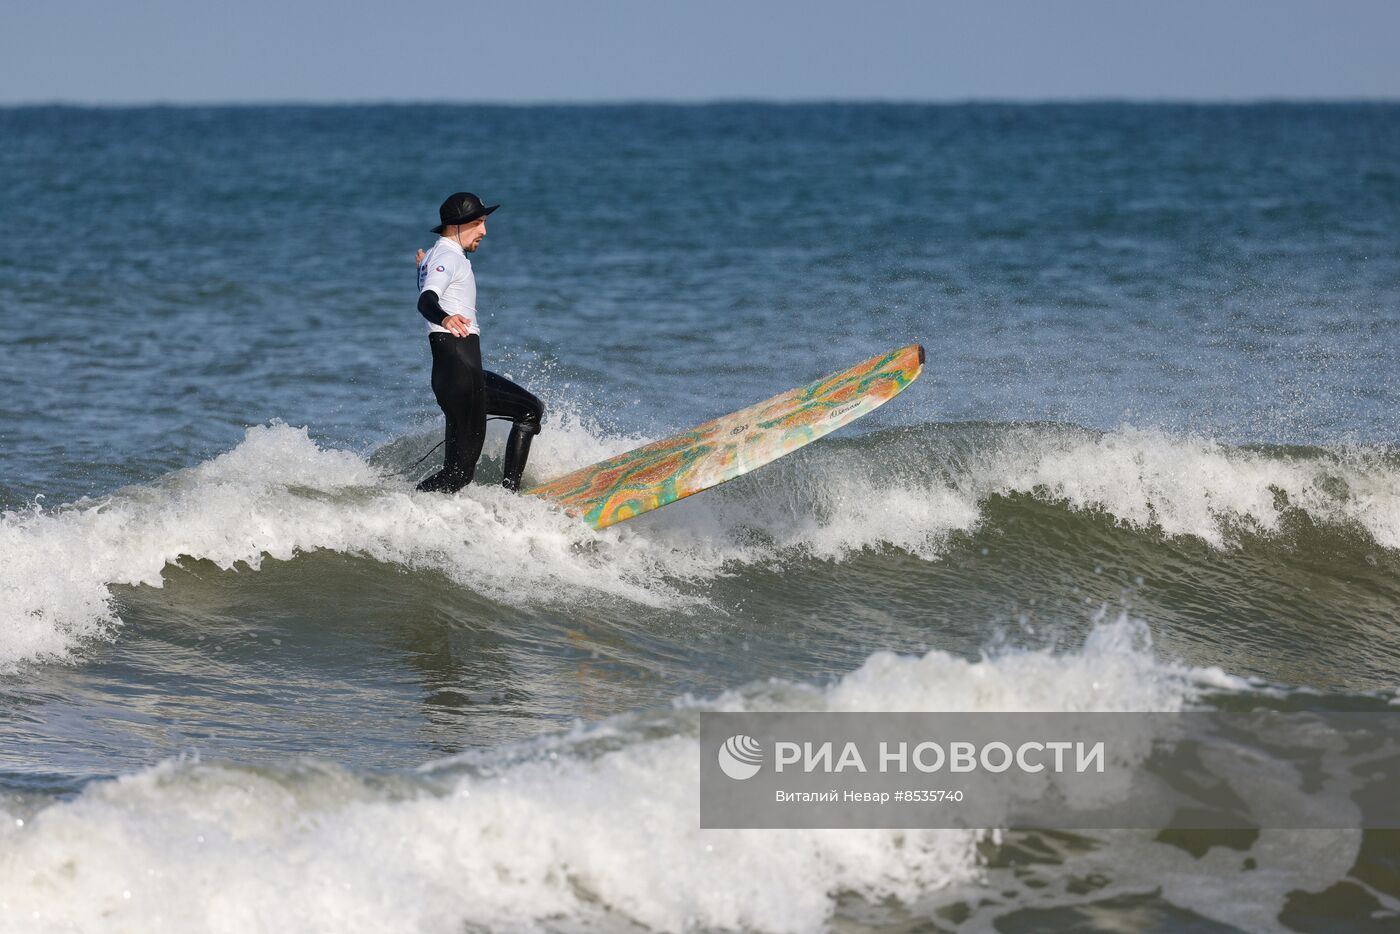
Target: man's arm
431 308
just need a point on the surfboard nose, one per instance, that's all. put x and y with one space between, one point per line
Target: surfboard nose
921 353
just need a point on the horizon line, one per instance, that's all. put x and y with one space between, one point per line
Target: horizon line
702 102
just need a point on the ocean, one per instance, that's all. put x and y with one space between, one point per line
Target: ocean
251 681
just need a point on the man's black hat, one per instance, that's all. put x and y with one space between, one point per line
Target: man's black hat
461 208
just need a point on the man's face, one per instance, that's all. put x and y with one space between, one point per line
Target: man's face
469 235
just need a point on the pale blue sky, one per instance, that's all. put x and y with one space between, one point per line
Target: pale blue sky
101 51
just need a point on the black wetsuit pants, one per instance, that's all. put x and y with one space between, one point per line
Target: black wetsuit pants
468 394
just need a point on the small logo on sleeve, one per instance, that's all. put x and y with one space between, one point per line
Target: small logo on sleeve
440 269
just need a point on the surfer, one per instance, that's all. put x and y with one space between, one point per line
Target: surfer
467 393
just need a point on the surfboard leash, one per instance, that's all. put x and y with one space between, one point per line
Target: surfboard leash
489 418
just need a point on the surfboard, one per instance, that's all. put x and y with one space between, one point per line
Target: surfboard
664 471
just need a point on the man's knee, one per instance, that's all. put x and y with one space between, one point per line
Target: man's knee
533 416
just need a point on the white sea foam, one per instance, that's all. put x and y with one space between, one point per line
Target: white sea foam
278 494
557 832
1190 486
829 502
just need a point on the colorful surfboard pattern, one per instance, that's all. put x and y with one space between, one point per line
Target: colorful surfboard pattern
664 471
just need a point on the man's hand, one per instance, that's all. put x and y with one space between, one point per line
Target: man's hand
418 260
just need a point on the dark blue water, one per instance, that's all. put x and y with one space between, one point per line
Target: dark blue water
1155 451
1218 269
